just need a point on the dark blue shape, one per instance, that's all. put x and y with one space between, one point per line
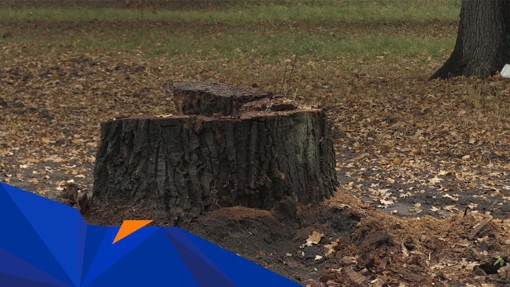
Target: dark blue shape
109 254
45 244
23 240
94 237
242 272
11 281
154 262
58 226
13 269
204 271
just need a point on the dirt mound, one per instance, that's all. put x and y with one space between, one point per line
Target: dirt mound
386 250
346 242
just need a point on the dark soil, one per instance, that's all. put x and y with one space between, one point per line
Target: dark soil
258 235
369 246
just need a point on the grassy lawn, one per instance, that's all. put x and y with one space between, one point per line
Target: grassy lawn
323 30
379 11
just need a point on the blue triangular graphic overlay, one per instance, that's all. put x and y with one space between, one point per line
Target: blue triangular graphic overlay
47 244
204 271
24 241
239 270
154 262
95 236
58 227
12 281
13 269
108 254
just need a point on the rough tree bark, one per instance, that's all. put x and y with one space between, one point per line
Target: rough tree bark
253 149
483 40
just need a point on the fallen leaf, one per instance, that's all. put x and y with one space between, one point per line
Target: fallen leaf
330 248
313 239
355 276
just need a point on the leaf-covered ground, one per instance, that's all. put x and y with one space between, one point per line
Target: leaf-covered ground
406 145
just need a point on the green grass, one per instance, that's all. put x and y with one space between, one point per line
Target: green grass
378 11
241 42
313 30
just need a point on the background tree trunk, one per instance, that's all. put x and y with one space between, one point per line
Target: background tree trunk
189 164
483 40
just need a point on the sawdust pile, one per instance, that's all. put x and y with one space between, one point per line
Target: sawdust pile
386 250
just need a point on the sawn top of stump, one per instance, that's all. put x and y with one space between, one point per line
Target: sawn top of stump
243 94
208 98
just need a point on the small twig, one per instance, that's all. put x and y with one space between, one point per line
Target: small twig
242 229
283 81
290 75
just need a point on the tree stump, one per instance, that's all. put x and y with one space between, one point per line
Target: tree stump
229 146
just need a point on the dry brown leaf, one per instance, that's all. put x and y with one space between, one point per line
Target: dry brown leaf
416 208
434 208
313 239
377 282
355 276
451 197
405 253
451 208
330 248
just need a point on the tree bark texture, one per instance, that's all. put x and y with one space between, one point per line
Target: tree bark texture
483 40
189 164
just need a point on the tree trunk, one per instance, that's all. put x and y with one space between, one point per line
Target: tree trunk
483 40
248 155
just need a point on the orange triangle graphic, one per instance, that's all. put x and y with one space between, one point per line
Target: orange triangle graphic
128 227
